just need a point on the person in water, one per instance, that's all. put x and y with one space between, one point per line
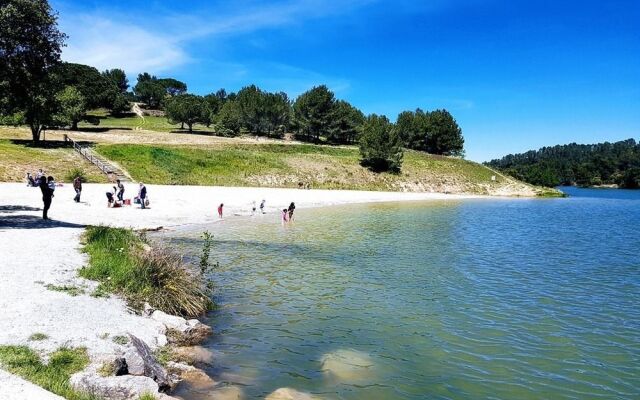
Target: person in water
284 215
292 207
220 210
77 186
47 195
262 206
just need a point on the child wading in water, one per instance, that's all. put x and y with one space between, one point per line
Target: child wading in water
220 210
285 213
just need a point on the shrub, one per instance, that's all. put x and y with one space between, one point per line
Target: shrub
75 172
124 263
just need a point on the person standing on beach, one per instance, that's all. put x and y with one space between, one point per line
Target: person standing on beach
292 207
47 195
77 186
120 190
220 210
142 195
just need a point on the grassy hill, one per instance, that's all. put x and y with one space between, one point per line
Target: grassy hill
286 165
202 159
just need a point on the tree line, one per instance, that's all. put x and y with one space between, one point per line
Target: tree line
577 164
39 90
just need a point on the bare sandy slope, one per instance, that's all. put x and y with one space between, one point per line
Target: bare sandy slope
36 254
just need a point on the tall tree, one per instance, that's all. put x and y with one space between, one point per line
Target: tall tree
30 45
251 103
346 123
312 111
188 109
150 92
173 87
277 112
229 120
380 145
72 107
444 136
118 77
97 89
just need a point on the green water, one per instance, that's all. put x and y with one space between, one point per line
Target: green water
504 299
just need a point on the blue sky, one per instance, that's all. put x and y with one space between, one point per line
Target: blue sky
516 74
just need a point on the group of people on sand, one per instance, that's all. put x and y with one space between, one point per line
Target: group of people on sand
115 197
34 180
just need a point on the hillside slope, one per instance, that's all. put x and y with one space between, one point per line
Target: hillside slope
285 165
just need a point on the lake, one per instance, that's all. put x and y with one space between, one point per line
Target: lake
503 299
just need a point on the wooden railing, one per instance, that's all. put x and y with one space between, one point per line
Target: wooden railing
87 153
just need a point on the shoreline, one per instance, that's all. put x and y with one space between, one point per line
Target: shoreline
45 254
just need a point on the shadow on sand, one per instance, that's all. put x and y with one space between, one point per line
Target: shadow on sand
14 208
33 222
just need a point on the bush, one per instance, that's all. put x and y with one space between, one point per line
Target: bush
126 264
75 172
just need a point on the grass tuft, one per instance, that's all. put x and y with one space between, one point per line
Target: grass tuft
121 340
54 376
69 289
118 259
38 336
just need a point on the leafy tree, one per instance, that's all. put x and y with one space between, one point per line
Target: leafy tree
120 104
215 103
97 89
313 111
221 94
346 123
145 76
444 136
150 92
173 87
72 107
277 112
229 119
251 103
188 109
380 145
435 132
118 77
30 45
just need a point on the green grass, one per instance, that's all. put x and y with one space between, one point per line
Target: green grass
150 123
118 260
20 156
282 165
54 376
121 340
68 289
38 336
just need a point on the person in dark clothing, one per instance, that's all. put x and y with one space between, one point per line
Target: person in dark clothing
77 186
142 195
120 190
292 207
47 195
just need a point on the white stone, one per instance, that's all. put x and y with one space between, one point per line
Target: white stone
290 394
347 365
125 387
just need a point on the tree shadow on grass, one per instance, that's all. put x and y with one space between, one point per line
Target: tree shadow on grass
33 222
103 129
199 133
48 144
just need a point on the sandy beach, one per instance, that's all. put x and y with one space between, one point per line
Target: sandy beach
41 253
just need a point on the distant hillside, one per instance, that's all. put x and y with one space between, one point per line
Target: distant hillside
576 164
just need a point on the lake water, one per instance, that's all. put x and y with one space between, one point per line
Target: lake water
502 299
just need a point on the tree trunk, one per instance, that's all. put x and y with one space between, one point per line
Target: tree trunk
182 125
35 132
74 126
190 127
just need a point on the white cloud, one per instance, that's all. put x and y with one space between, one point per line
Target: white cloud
103 43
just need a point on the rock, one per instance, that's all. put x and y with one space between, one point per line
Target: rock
290 394
141 362
161 340
227 393
347 365
126 387
193 355
181 331
191 377
120 367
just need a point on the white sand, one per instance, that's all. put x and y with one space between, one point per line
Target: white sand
36 253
